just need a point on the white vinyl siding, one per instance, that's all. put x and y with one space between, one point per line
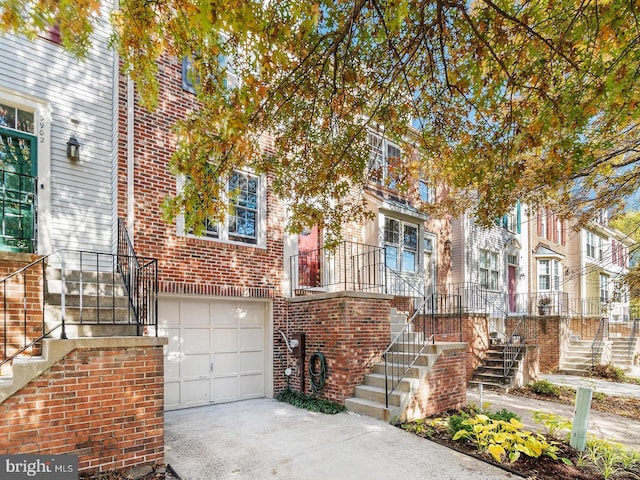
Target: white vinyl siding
79 196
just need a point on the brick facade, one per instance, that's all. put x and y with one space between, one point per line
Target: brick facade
104 404
187 265
475 332
445 387
350 329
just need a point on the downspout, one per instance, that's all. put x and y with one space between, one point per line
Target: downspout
130 157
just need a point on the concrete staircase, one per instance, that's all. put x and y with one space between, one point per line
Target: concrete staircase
578 358
623 351
96 304
369 398
491 372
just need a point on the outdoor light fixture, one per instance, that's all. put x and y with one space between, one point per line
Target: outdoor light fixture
73 148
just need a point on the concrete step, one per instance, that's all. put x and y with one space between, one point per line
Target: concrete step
407 384
415 371
88 300
571 371
88 288
377 394
372 409
89 314
405 358
488 385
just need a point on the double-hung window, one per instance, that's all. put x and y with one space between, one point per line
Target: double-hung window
400 245
549 272
489 270
382 154
604 288
243 222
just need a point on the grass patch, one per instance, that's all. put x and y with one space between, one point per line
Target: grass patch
309 403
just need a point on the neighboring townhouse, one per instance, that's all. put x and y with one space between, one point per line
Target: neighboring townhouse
601 259
50 101
489 266
551 279
411 244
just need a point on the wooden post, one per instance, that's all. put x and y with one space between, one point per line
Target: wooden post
581 418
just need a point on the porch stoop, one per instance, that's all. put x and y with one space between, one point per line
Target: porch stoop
96 304
623 351
578 358
369 398
491 372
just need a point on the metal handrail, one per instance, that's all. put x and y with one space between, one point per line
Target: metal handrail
398 369
513 346
599 338
632 342
140 277
25 319
347 266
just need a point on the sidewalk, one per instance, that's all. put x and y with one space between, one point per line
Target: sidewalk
602 425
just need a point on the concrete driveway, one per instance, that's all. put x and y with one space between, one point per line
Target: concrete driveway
266 439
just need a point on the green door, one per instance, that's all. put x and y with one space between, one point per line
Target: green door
18 200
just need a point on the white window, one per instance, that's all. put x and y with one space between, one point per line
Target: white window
489 269
400 245
604 288
591 245
426 192
549 273
382 154
244 222
594 246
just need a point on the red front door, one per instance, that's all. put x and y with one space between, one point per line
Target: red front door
512 288
309 258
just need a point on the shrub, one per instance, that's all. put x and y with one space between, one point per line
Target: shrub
504 415
309 403
504 440
544 387
609 372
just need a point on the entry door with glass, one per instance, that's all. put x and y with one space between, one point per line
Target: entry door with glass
18 180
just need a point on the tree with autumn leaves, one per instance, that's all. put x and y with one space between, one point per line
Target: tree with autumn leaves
510 101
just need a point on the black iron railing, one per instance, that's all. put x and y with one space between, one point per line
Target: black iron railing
349 266
140 277
632 342
437 317
405 349
23 311
602 334
70 287
513 346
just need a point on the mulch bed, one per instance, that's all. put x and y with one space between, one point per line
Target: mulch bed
541 468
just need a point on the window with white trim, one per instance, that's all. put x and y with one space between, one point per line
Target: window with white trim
489 269
594 245
244 220
426 192
549 273
382 154
604 288
400 245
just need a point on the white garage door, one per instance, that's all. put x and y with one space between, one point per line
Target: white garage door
216 350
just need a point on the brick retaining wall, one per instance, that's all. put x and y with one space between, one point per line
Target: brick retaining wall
104 404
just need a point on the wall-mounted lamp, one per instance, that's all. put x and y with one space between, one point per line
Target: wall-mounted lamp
73 148
522 276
